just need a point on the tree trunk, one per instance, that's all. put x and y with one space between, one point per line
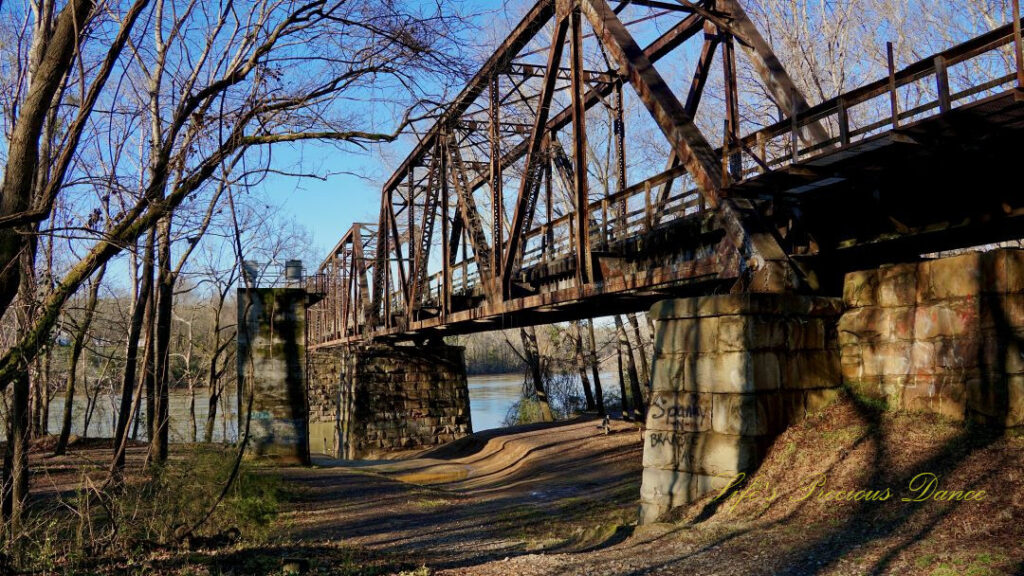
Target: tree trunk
19 413
164 303
128 381
622 383
7 487
149 367
581 366
595 368
212 379
44 418
192 410
532 353
645 368
50 59
76 353
90 404
19 442
211 415
634 380
35 400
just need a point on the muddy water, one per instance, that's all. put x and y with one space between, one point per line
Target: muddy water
490 398
104 415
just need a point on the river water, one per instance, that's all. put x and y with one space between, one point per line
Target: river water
490 397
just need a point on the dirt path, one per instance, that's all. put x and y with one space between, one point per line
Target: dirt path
488 498
562 500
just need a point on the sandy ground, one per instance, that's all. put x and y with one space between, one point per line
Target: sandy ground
562 500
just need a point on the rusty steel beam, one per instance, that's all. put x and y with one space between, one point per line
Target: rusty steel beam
497 197
651 4
701 74
426 238
523 33
677 125
446 269
527 190
397 249
759 249
584 272
380 297
619 133
731 162
470 216
667 42
693 99
779 84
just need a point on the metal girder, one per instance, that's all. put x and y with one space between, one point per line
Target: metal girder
670 40
535 19
779 84
426 236
584 271
470 215
527 198
689 144
497 196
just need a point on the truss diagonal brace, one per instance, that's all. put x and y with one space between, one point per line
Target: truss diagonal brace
760 249
528 188
470 217
778 82
689 144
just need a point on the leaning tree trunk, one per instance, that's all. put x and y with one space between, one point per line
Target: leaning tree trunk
212 379
128 381
581 366
149 365
634 380
44 417
54 42
76 353
532 353
595 368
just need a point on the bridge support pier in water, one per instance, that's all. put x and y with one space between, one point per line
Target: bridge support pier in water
730 373
372 400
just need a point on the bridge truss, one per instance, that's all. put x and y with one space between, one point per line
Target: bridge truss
520 205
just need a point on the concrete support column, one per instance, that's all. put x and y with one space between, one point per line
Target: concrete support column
390 398
729 374
272 372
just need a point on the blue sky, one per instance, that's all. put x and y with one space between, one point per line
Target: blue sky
351 191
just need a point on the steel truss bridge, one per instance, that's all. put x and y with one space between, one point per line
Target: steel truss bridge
521 205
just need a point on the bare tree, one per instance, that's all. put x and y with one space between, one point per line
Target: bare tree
626 350
260 89
78 343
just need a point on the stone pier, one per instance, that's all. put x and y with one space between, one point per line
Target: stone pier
271 367
375 400
943 335
729 374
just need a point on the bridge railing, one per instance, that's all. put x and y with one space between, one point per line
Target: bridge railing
980 67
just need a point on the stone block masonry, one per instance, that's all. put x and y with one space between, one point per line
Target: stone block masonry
729 374
382 399
944 335
271 368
